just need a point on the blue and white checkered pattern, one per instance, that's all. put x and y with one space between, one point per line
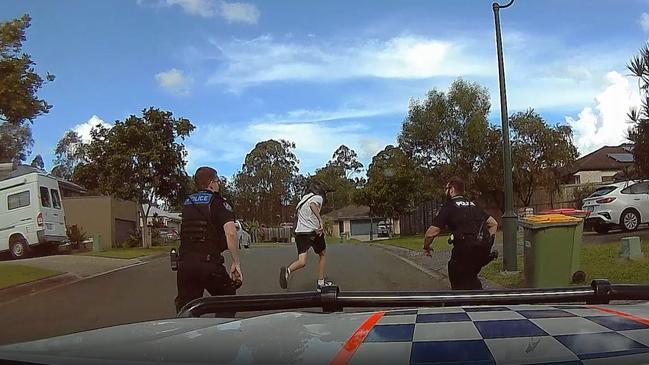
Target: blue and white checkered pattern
521 334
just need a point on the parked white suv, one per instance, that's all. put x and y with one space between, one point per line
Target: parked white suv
624 204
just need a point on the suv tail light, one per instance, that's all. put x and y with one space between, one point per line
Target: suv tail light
39 220
605 200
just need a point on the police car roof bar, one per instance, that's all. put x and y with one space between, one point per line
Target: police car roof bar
332 300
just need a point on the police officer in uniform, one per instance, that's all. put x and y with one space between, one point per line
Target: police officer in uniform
208 228
473 233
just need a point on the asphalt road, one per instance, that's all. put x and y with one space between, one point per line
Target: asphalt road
146 292
616 235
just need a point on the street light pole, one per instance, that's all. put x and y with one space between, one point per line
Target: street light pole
509 218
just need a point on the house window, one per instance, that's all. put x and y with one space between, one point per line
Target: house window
608 178
577 179
19 200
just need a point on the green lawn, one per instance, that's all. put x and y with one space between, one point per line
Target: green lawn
599 261
11 274
130 252
416 243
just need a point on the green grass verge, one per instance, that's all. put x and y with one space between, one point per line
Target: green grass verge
130 252
11 274
416 243
604 262
493 272
601 261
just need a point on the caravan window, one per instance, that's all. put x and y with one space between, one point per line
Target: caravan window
19 200
56 199
45 198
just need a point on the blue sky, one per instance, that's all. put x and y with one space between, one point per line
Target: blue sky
324 73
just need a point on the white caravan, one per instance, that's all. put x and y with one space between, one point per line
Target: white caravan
31 213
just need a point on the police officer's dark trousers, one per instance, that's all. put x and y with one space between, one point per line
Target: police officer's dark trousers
198 272
463 268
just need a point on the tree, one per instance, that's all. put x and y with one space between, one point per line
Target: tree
639 132
392 183
264 184
138 159
489 179
15 142
337 175
445 131
19 82
38 162
343 188
539 153
347 159
67 155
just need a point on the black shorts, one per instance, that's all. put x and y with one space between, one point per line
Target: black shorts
307 240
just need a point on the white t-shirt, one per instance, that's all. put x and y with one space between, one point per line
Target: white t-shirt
307 221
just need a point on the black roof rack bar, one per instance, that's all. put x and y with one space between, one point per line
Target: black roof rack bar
332 300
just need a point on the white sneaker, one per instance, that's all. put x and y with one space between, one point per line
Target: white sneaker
326 283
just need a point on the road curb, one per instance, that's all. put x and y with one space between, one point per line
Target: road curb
430 272
32 288
13 292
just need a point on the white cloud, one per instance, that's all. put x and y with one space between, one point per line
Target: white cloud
175 81
644 22
319 115
314 132
239 12
249 62
84 129
204 8
607 123
232 12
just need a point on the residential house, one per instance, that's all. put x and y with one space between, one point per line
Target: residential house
355 221
602 165
107 218
168 219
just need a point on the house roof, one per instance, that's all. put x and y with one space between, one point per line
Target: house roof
606 158
350 212
161 213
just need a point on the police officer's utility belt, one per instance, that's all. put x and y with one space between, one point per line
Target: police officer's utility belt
200 256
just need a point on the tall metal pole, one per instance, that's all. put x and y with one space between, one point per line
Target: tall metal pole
509 218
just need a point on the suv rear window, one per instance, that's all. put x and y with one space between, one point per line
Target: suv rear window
602 191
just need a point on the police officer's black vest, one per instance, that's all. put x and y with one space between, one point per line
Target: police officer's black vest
473 227
197 231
